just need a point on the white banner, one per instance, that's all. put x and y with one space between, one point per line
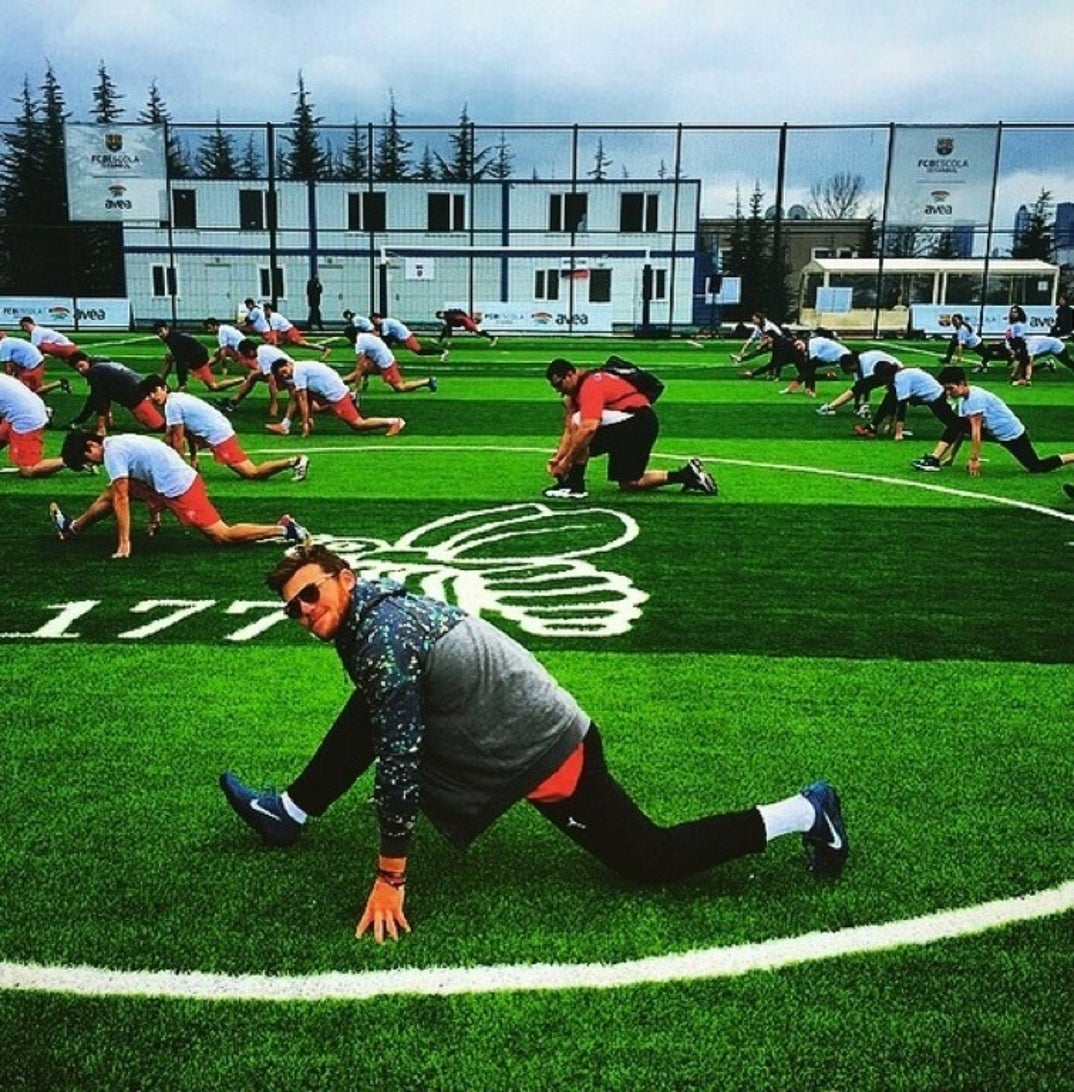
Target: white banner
543 318
85 313
941 178
937 320
115 172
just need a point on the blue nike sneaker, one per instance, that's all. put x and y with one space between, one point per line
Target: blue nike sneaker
826 841
264 812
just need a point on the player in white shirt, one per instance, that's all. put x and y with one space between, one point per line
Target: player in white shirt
283 331
966 339
394 332
193 423
227 343
23 360
1015 340
146 469
818 350
314 384
758 341
258 359
50 342
256 321
983 414
1037 346
23 420
863 367
907 387
373 356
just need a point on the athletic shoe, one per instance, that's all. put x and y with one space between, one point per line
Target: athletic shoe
699 480
825 411
789 390
60 522
863 412
980 369
301 468
397 426
866 432
928 463
263 812
492 343
65 384
564 492
48 417
227 405
279 428
826 840
432 383
443 356
907 433
1068 489
293 531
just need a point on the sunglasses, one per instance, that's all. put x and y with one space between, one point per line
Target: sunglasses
309 594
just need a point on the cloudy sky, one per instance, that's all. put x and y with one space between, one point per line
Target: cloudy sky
586 61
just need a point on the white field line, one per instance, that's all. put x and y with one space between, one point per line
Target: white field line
705 963
795 468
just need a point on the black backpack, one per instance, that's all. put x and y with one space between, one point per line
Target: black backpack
642 381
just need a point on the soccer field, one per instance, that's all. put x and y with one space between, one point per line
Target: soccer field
832 613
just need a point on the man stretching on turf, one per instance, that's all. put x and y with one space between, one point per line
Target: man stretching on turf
461 722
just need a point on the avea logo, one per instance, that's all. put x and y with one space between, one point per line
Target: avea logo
527 563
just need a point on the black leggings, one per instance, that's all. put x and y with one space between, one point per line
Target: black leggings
602 819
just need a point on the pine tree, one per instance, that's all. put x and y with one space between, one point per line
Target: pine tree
1035 239
601 163
390 162
354 165
155 112
503 160
250 162
466 163
106 98
306 159
427 169
216 155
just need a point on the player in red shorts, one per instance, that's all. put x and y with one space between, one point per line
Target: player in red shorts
25 362
282 331
23 419
311 382
455 316
193 423
110 381
394 332
144 468
50 342
373 357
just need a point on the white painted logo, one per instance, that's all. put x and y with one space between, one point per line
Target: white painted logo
528 563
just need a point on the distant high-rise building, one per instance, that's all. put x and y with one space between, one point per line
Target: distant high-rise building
1021 222
1063 232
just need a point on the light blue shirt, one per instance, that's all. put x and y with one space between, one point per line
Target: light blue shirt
996 415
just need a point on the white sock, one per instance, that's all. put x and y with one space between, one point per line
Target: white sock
294 810
795 815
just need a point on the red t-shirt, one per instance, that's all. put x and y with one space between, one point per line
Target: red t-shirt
601 390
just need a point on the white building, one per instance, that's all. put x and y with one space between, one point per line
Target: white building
528 254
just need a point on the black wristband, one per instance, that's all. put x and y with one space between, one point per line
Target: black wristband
391 878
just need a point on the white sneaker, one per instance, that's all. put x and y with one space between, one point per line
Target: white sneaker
301 468
825 411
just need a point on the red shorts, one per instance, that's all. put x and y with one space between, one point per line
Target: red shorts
192 508
561 784
413 344
270 337
148 415
229 452
345 410
391 375
27 448
31 377
54 348
204 373
293 336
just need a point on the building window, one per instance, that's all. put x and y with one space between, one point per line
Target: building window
447 212
367 211
639 211
832 252
271 283
600 286
567 211
163 280
184 208
546 284
252 210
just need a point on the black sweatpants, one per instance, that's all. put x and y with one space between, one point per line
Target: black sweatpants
602 819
